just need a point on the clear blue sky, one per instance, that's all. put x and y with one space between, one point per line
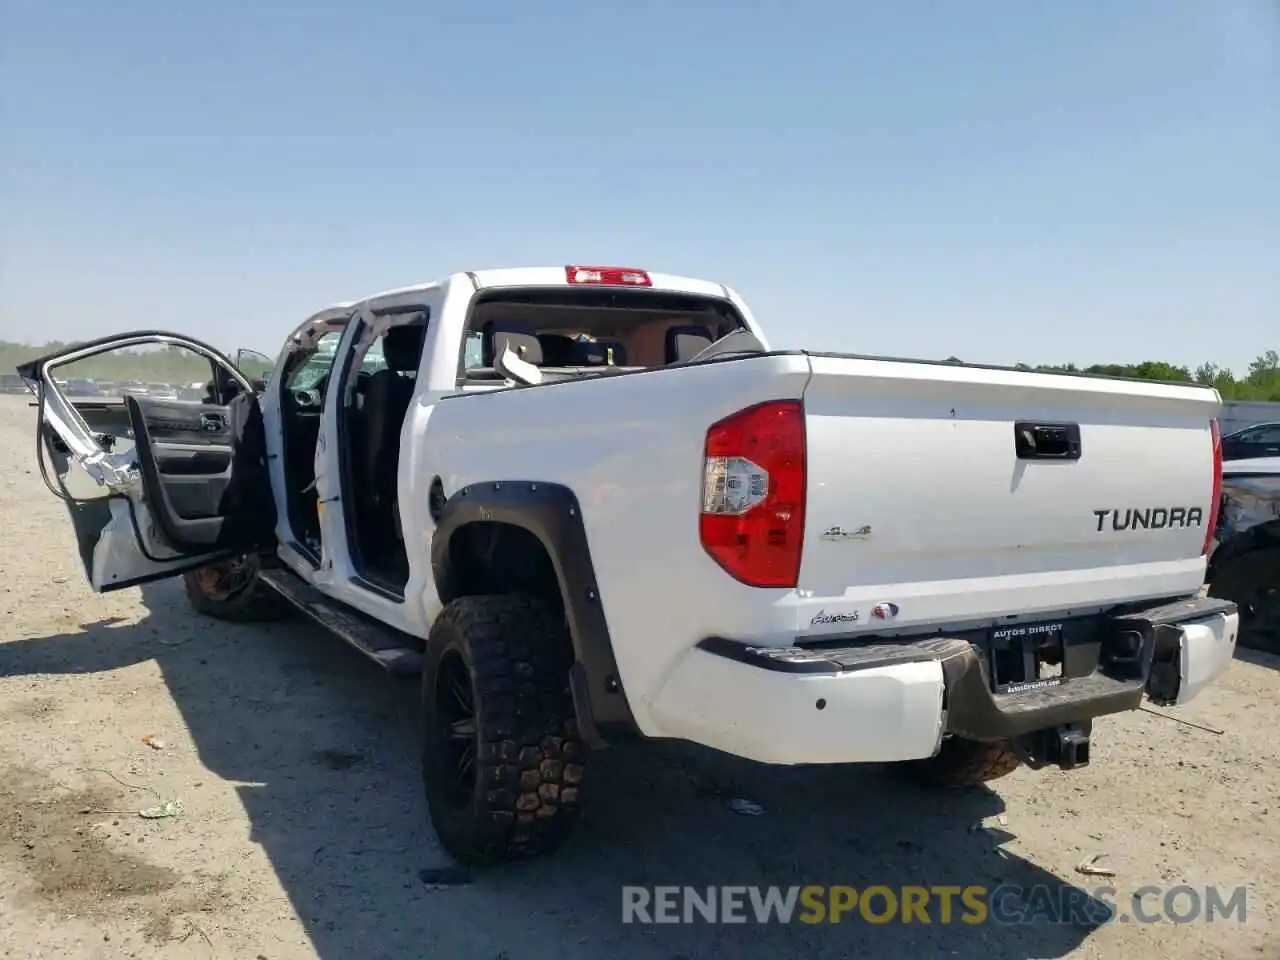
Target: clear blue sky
1000 180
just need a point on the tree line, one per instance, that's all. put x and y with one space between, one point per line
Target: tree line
174 365
170 365
1260 383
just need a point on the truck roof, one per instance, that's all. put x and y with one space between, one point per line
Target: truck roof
336 314
309 330
553 277
337 311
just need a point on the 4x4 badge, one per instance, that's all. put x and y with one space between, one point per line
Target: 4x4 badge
840 533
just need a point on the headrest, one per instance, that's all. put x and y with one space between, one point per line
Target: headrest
685 342
559 350
497 338
402 347
604 353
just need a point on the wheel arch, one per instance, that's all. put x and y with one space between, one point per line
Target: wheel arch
529 537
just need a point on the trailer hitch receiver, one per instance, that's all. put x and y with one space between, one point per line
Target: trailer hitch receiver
1065 746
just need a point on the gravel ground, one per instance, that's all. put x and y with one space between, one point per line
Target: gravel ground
303 832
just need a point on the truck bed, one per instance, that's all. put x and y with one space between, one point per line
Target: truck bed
919 517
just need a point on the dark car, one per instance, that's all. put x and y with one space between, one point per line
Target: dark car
12 383
1260 440
82 388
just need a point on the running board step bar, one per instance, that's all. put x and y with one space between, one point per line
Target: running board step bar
396 652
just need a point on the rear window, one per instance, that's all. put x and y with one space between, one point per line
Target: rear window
579 330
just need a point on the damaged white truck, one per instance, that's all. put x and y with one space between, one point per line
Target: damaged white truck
1244 564
591 503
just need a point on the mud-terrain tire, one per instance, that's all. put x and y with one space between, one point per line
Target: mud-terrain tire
1252 582
230 590
502 759
964 763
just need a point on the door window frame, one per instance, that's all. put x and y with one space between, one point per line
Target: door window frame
111 470
62 429
343 391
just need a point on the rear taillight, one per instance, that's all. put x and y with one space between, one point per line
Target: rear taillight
753 493
608 276
1215 504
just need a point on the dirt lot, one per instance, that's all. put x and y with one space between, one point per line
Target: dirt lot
302 831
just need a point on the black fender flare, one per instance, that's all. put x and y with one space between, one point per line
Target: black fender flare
552 513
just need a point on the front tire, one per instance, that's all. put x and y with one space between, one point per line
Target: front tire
230 590
502 759
1252 582
964 763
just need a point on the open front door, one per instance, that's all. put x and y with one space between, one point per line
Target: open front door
154 485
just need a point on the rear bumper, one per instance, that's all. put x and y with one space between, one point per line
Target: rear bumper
890 700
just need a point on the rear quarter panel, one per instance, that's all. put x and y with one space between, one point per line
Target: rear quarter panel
630 447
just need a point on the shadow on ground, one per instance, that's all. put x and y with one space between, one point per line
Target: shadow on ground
330 743
1259 658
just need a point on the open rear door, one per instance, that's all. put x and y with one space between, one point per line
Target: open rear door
154 486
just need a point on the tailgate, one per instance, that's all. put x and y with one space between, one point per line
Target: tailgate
921 497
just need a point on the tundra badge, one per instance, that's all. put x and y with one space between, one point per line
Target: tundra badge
1150 518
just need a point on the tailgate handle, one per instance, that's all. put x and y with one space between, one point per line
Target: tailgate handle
1047 441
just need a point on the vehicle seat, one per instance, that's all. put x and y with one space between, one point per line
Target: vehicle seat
559 350
686 342
498 336
387 396
598 353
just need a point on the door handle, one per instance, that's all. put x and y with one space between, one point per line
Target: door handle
212 422
1046 441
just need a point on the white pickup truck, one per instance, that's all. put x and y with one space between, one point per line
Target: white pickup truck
589 503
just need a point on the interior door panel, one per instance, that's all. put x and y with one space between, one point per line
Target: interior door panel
191 444
204 471
188 455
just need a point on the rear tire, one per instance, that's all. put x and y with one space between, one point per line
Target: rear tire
964 763
502 760
231 591
1252 582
